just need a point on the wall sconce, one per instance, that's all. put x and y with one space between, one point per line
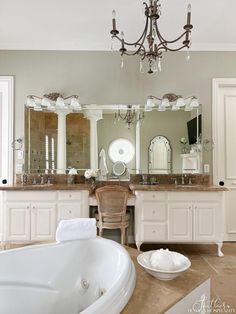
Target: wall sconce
53 102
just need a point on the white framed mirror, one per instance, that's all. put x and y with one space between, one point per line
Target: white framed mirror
160 155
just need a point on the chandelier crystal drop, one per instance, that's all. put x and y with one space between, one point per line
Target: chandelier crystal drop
151 43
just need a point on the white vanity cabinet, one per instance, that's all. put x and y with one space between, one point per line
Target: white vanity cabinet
28 216
29 221
179 217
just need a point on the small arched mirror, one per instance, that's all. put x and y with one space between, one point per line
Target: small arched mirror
160 155
119 168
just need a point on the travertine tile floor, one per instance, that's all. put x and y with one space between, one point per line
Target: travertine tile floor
222 270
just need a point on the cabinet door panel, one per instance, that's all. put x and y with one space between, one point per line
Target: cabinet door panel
180 221
205 220
17 222
43 221
69 211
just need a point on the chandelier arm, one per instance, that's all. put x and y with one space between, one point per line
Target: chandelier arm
155 97
161 38
171 49
142 38
34 96
68 97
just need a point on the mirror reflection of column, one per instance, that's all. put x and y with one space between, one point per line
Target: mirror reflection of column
137 147
93 115
61 142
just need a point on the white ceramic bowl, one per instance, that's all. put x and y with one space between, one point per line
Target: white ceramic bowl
144 260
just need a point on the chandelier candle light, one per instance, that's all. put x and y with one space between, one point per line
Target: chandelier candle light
156 43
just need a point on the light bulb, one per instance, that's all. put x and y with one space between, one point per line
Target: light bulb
161 108
159 64
122 35
154 66
114 14
194 103
165 102
45 102
75 105
30 102
189 8
112 44
122 62
141 67
180 102
188 108
60 102
174 108
188 55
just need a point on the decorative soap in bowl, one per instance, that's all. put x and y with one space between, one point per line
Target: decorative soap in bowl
164 264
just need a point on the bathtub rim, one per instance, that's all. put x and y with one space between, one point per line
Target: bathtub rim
117 297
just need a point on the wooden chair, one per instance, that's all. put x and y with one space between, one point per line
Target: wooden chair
112 204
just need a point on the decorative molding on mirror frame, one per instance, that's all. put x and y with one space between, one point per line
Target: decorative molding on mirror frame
7 125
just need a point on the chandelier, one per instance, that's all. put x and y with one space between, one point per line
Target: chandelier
129 117
53 102
171 101
156 43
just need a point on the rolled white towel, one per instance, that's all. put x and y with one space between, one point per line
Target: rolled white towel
75 229
163 260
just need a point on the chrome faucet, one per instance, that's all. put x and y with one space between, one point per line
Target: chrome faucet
42 179
175 180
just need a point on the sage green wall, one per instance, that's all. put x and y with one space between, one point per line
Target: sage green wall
97 78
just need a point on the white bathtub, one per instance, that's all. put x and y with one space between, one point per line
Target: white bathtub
84 276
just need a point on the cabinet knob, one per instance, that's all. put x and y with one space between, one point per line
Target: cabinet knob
70 195
153 211
153 195
70 211
153 231
28 207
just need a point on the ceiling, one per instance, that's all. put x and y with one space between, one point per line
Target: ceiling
85 25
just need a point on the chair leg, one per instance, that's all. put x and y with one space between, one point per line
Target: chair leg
122 236
127 236
100 232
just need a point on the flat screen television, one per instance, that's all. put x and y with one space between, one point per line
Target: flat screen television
192 129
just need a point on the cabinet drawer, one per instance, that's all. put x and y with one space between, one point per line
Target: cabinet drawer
154 211
69 195
147 196
31 196
193 196
154 232
69 211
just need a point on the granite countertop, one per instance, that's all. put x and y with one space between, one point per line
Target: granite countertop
133 187
153 296
46 187
173 187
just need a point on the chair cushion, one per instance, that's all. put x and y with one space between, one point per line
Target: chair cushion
114 219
